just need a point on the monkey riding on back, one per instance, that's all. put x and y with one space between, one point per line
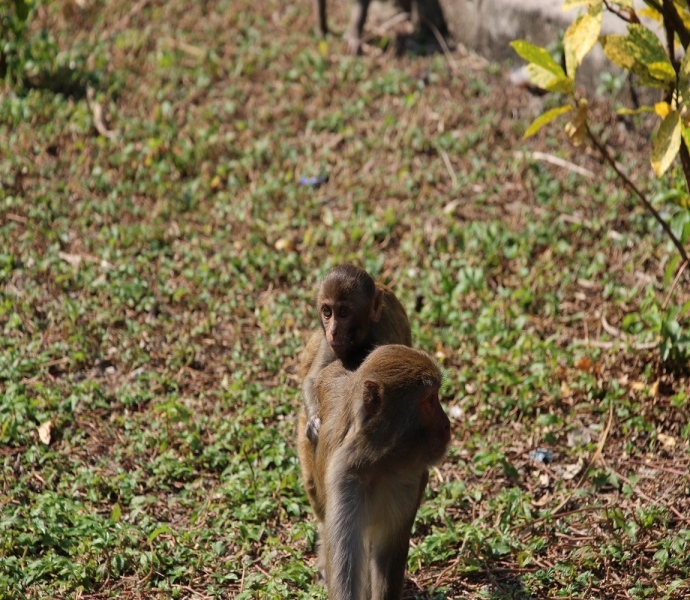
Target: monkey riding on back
356 315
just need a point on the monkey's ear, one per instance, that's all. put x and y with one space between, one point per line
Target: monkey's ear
372 397
376 306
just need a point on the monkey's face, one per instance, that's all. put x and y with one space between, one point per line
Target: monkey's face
435 423
342 327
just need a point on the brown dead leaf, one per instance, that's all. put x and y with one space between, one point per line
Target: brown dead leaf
44 432
654 389
667 440
72 259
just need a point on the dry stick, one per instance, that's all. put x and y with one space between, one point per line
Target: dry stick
673 285
600 446
595 456
648 499
605 153
442 43
449 167
554 160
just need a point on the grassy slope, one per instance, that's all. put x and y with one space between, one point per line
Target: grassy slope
157 287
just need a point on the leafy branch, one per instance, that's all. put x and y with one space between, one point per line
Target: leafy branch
640 53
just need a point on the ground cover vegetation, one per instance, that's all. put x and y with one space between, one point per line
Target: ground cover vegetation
158 259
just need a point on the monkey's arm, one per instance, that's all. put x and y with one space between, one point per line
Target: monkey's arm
316 356
346 515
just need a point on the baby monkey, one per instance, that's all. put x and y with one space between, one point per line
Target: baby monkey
356 316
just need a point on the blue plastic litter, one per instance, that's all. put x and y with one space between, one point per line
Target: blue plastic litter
314 181
541 455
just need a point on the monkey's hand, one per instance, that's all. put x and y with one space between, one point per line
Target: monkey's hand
313 426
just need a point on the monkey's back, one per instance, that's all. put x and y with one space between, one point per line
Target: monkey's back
394 326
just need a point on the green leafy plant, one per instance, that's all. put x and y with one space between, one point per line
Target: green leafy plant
14 21
653 65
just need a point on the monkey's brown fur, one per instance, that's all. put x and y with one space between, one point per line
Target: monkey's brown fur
382 428
374 317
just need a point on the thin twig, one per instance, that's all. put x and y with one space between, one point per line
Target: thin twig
673 285
554 160
613 344
609 159
629 16
442 43
600 446
449 166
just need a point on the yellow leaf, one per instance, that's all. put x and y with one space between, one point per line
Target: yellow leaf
215 183
323 47
577 128
662 109
624 4
650 13
547 117
666 143
616 49
570 4
549 81
580 37
663 71
635 111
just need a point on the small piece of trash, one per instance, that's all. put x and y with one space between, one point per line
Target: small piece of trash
313 181
541 455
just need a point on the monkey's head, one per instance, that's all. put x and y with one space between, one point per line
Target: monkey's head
402 415
348 303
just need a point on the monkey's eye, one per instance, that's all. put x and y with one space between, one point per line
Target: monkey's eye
326 310
342 313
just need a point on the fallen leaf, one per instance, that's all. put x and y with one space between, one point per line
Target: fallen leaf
44 432
667 440
72 259
637 386
584 364
283 244
571 471
654 389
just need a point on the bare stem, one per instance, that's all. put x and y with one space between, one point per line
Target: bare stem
647 204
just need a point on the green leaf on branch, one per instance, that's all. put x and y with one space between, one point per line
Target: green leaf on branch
616 49
538 56
648 51
547 117
684 76
641 53
624 4
548 81
666 143
581 36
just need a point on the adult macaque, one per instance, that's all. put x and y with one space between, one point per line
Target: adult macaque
356 315
382 428
423 12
